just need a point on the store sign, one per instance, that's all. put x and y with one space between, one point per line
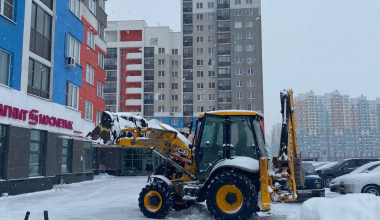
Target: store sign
34 118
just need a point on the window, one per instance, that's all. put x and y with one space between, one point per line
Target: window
199 16
89 74
199 50
238 48
101 60
174 109
199 73
199 39
161 50
174 63
211 38
211 73
5 67
200 109
251 107
239 83
161 73
211 27
211 97
211 16
250 83
211 50
101 31
73 49
199 5
87 160
88 110
199 85
2 149
92 6
67 146
237 2
200 97
174 97
99 118
174 85
174 74
122 98
161 108
239 71
36 156
161 62
161 85
100 89
249 35
249 12
249 24
174 51
40 32
199 62
250 95
75 7
102 4
238 59
238 13
238 24
250 71
250 60
90 38
238 36
38 79
72 96
174 121
239 95
249 1
249 47
211 85
211 62
161 97
211 5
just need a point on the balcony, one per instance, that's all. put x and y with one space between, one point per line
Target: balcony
148 78
109 90
133 91
188 113
224 52
223 29
188 101
187 89
134 102
224 41
149 101
224 88
134 67
223 6
223 17
224 99
224 63
134 56
148 89
224 76
133 79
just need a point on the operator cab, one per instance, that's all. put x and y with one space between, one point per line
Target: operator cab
227 134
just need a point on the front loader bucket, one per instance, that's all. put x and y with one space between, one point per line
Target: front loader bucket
102 133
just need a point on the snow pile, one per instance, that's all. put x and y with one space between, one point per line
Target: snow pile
348 207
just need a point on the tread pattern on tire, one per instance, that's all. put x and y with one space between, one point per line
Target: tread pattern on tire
167 200
324 180
244 184
366 188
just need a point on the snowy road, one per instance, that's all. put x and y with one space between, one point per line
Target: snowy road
108 198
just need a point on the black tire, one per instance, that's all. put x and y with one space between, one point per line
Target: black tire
327 180
152 206
180 204
240 187
372 190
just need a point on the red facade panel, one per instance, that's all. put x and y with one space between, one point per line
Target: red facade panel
131 35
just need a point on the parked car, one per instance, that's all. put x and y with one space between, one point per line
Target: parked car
324 166
365 179
313 183
341 168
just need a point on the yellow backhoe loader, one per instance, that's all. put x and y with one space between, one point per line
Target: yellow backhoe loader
224 164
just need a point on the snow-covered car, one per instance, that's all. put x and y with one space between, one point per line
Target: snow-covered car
365 179
324 166
313 183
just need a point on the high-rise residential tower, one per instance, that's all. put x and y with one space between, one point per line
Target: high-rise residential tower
222 56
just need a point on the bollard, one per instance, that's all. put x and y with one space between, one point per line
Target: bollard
27 215
46 215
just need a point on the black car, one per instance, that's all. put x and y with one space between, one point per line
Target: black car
341 168
313 183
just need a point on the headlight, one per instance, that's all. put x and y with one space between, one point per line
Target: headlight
319 185
318 181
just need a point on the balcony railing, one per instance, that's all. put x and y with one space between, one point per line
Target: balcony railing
224 76
187 89
188 77
188 67
110 102
111 78
223 6
187 55
148 77
224 63
148 89
224 52
224 17
148 101
148 66
187 101
224 87
188 113
223 29
148 113
224 100
224 41
109 90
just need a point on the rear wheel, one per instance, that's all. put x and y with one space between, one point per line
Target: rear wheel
155 201
231 195
372 190
327 180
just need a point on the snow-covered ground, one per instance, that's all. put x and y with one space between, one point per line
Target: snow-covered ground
110 198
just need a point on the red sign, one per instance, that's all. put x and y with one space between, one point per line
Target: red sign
33 117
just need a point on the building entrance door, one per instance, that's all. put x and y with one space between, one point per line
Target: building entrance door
134 161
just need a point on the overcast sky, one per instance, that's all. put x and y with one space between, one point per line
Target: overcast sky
323 45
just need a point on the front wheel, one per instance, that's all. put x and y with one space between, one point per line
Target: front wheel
231 195
327 180
156 201
372 190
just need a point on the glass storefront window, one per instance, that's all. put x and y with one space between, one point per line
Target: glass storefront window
36 152
2 149
135 160
67 146
87 164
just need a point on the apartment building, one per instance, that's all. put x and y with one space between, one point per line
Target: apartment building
333 126
42 122
222 56
144 71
